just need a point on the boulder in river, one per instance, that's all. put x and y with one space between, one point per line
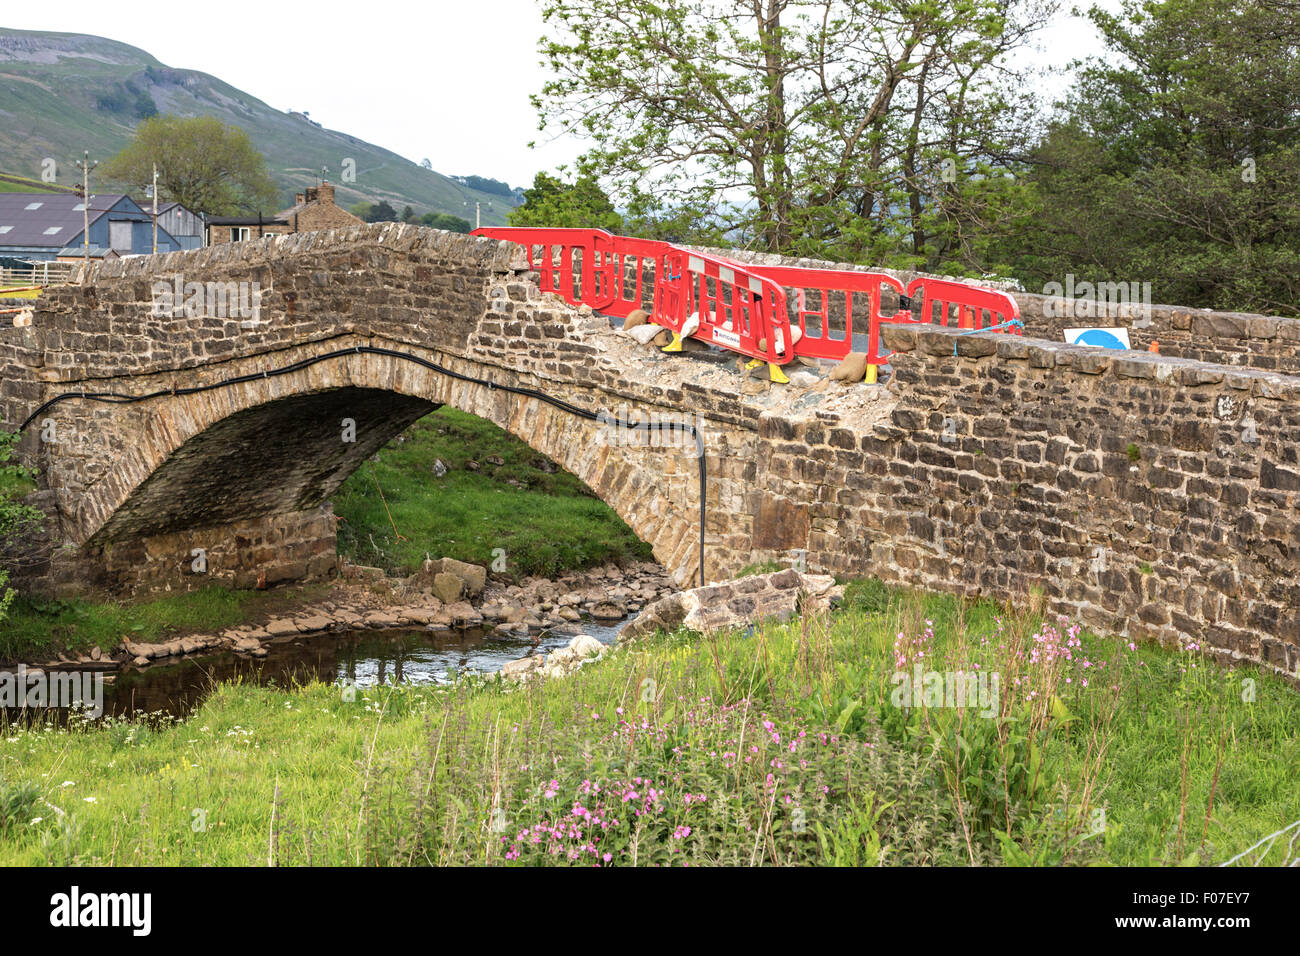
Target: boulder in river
608 611
738 603
448 587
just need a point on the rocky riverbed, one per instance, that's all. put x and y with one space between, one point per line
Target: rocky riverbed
444 595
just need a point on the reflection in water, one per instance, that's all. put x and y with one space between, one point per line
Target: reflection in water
364 658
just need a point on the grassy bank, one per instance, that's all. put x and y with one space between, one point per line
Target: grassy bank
36 626
395 511
782 747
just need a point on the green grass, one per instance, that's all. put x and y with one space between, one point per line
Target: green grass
414 775
36 626
25 185
546 523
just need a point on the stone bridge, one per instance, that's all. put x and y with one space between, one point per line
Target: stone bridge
1148 494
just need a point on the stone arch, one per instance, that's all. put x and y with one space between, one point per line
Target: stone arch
184 468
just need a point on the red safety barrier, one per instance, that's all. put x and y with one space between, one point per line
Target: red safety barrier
974 308
745 307
831 306
576 264
695 294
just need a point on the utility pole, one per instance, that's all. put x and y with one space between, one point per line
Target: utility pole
478 212
155 209
86 166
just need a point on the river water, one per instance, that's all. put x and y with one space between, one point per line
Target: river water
365 658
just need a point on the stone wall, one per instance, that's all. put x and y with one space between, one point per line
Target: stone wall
248 553
1142 494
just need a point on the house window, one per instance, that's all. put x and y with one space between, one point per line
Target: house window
240 233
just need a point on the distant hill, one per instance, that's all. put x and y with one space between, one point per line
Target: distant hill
63 93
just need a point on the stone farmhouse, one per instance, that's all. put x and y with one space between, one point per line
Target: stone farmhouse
313 209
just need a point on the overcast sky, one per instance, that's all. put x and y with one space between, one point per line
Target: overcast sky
446 79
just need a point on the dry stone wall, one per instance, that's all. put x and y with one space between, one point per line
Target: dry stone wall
1142 494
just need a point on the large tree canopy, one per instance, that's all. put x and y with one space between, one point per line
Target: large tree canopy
868 129
1177 159
202 163
553 202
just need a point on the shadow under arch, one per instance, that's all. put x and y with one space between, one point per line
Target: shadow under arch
270 445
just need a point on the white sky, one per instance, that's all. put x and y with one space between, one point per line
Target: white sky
445 79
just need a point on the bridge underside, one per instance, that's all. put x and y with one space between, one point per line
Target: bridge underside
278 458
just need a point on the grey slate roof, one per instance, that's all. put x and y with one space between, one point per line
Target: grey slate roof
47 219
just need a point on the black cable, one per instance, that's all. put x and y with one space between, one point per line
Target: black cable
116 398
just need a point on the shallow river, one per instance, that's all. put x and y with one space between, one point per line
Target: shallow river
365 658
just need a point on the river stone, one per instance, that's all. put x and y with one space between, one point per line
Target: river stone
584 645
448 587
522 668
608 611
737 603
463 614
281 627
474 576
422 615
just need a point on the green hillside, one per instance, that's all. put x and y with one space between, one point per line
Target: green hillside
62 93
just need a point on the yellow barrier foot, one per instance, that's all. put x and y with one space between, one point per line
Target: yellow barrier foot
675 345
753 364
870 377
775 374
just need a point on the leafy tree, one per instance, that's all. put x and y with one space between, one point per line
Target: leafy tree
202 163
408 215
361 210
1178 160
446 222
145 107
382 212
484 185
844 128
553 202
